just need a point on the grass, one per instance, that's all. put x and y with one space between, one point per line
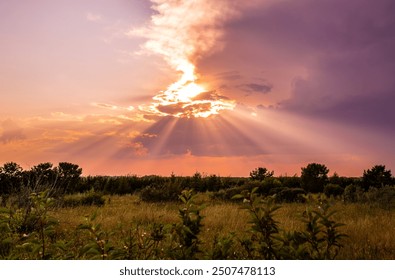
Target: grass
370 229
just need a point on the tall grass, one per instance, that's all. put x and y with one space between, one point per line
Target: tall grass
369 229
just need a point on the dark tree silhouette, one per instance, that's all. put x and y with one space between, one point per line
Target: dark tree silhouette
10 177
68 176
376 177
43 174
260 173
314 177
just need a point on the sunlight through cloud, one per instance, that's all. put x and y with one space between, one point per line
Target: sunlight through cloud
181 32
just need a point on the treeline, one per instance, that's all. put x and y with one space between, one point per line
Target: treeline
65 178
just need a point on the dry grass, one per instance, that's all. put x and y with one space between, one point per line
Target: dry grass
370 229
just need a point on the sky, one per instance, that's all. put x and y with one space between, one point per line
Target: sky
182 86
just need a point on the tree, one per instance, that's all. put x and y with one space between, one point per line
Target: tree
376 177
314 177
260 173
10 177
68 176
43 174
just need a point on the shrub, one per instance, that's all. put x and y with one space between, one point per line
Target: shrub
160 193
290 195
227 194
382 197
87 199
268 185
290 182
321 238
333 190
350 193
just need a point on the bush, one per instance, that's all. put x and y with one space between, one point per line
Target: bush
87 199
333 190
290 182
228 194
321 238
353 193
160 193
269 184
290 195
382 197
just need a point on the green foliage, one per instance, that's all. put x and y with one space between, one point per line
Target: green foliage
223 248
321 238
99 245
264 227
314 177
29 232
184 235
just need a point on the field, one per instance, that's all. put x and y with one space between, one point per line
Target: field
54 213
369 228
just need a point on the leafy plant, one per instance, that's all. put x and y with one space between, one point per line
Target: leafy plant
321 236
264 227
184 235
320 239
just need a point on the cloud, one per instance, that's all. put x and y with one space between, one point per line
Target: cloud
229 75
11 132
256 88
202 105
323 61
105 106
182 31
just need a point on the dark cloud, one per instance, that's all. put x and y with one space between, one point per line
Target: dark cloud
229 75
171 108
345 49
259 88
11 132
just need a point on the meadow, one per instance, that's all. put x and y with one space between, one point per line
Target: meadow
59 215
369 229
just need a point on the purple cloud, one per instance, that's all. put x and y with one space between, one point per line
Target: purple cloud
346 51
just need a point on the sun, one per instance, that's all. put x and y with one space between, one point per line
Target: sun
189 98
